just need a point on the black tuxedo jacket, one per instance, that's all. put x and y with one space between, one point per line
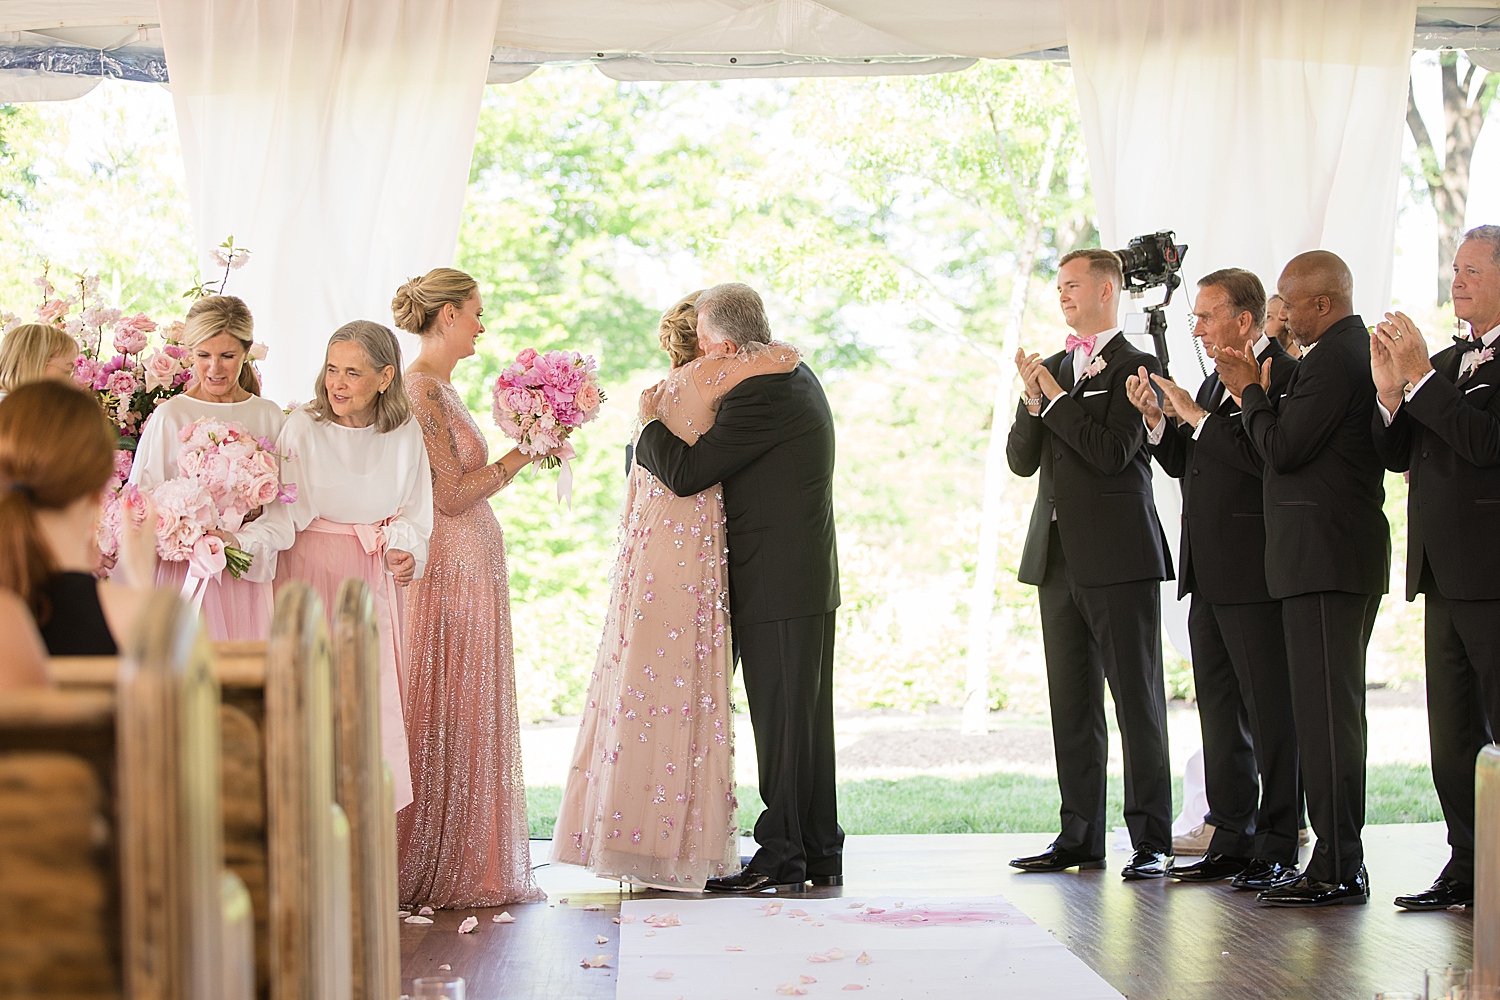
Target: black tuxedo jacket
1096 473
1324 483
772 448
1222 555
1448 437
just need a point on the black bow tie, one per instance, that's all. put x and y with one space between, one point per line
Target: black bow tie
1465 345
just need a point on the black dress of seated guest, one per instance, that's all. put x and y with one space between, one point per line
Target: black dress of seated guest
73 620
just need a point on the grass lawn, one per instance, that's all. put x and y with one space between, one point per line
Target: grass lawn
1013 803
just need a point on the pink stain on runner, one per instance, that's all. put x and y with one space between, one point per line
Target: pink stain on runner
921 917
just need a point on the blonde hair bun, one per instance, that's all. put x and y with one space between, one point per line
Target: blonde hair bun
417 302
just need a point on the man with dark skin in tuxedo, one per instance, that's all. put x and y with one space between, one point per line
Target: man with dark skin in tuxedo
1234 625
1328 554
1438 420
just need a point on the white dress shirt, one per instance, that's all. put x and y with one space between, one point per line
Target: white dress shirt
1081 360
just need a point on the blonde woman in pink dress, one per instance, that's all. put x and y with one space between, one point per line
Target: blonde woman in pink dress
650 796
464 840
364 502
218 335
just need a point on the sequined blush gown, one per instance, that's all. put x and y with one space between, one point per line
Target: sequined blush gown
464 839
650 794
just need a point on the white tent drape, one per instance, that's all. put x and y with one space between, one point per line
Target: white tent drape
333 140
1255 131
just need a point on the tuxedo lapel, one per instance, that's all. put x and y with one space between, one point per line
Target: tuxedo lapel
1447 362
1064 373
1107 354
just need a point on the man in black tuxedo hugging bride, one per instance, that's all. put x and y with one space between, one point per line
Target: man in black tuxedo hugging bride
1097 555
772 447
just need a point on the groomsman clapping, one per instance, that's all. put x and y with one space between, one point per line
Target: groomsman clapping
1439 421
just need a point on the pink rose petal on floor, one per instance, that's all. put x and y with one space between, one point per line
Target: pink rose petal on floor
817 923
503 918
445 968
899 905
601 939
627 919
806 979
833 954
468 924
797 913
874 909
425 911
734 947
854 986
863 959
855 906
597 962
817 958
594 906
663 974
651 934
790 990
771 908
403 914
419 920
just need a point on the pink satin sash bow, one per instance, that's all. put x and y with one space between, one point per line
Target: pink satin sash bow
372 539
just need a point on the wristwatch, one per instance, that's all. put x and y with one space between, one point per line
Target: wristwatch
1032 400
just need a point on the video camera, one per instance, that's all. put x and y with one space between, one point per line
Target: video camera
1153 262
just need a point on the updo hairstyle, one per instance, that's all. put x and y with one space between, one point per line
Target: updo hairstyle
678 331
56 445
216 314
418 301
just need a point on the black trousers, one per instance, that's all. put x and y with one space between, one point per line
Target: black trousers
1249 738
788 669
1463 711
1090 635
1326 637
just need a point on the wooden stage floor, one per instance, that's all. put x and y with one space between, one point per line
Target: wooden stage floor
1149 940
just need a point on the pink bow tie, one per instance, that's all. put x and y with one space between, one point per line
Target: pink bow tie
1087 343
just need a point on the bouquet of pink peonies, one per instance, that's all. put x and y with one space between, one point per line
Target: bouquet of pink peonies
238 471
185 514
542 398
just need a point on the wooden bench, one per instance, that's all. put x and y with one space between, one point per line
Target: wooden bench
247 672
111 868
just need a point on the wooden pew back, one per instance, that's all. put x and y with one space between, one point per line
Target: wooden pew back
1487 867
366 791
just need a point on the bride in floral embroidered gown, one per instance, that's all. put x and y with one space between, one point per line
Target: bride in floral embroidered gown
650 794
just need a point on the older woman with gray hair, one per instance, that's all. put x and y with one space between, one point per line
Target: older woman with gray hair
364 501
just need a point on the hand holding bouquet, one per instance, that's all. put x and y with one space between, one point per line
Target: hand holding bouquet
541 399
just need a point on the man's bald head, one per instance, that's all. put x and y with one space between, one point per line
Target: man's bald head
1317 290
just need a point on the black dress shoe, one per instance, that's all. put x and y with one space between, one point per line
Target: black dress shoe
1057 859
1445 892
1262 875
1146 862
1213 868
1309 892
750 881
824 880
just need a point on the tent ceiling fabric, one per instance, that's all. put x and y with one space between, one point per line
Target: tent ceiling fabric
654 39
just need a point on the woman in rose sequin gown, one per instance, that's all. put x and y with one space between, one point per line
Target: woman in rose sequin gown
650 795
464 840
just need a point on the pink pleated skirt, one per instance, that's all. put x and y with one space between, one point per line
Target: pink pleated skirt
232 609
324 561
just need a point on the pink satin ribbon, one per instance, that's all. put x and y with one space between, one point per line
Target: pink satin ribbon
372 539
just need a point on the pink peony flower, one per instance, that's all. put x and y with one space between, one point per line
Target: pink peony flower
121 384
130 335
588 399
87 372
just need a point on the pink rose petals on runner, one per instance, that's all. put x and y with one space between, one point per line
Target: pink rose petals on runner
597 962
790 990
503 918
601 939
663 920
863 959
468 925
419 920
854 986
734 947
594 906
425 911
662 974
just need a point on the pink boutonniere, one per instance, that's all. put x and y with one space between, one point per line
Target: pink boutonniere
1094 367
1474 359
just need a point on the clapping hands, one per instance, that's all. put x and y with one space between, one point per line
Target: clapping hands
1037 378
1238 369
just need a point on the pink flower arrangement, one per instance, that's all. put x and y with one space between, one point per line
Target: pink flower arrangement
185 515
242 472
542 398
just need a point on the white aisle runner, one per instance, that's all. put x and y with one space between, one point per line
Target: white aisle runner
891 948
